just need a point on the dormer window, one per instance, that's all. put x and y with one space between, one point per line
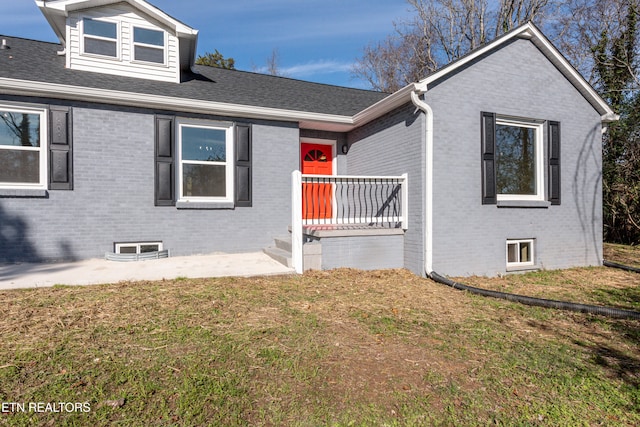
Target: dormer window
122 38
100 37
148 45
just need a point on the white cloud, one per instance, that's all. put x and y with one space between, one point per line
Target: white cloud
317 67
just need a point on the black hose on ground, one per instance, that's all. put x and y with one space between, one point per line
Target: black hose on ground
621 266
539 302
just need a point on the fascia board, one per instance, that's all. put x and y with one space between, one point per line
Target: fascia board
114 97
530 32
56 17
73 5
571 73
471 57
181 29
385 105
56 5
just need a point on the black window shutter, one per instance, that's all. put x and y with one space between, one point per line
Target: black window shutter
488 125
165 161
60 148
554 163
243 166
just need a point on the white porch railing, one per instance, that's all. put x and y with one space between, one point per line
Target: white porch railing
335 200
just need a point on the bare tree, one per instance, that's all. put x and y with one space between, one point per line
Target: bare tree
513 13
390 64
580 30
272 65
440 31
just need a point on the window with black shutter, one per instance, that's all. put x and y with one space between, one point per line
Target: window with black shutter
202 164
60 149
165 164
243 174
513 160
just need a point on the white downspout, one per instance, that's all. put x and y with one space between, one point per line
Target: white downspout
428 193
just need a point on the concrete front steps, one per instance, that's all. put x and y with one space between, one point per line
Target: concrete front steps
281 252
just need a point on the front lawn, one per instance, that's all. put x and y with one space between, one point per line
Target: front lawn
327 348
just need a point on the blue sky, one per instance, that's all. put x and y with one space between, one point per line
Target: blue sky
317 40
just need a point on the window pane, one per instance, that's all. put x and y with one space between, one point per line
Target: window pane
101 28
128 249
19 129
204 144
515 160
525 252
204 181
149 54
100 47
512 252
148 248
20 166
142 35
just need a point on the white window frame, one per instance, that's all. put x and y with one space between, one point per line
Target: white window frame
229 163
164 47
519 264
538 126
118 246
43 149
91 36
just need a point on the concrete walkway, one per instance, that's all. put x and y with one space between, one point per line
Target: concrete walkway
94 271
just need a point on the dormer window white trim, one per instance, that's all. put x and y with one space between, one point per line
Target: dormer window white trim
149 45
147 57
101 37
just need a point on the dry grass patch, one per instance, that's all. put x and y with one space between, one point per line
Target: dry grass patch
623 254
599 286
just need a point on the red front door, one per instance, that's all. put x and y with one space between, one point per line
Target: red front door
316 159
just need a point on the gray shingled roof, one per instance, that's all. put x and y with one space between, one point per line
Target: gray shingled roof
39 61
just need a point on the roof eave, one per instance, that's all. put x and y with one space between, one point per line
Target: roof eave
562 64
56 12
132 99
56 17
385 105
609 118
530 32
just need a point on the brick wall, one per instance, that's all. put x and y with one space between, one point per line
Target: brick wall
113 196
470 238
363 252
393 145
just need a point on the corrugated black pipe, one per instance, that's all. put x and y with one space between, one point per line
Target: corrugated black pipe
540 302
621 266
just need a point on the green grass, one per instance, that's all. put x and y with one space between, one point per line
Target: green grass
341 348
623 254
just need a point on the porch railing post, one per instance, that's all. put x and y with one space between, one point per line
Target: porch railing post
405 201
296 222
